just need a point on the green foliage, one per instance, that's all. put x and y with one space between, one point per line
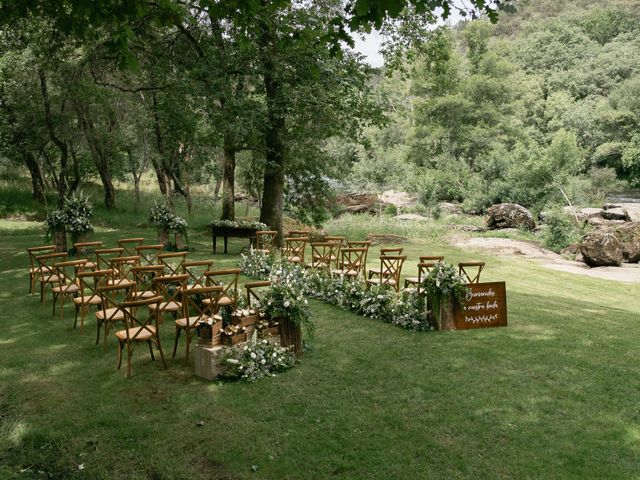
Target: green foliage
443 283
561 230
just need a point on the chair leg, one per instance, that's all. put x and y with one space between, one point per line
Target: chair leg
75 320
175 344
128 360
119 354
55 300
98 324
106 335
160 350
150 350
186 357
31 277
42 292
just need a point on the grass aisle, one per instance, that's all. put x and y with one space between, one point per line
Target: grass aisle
554 395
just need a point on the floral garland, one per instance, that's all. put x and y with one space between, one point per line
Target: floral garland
442 283
239 224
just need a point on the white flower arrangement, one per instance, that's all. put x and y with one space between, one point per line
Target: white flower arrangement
239 224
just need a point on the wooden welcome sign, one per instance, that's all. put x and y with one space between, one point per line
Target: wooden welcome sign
485 306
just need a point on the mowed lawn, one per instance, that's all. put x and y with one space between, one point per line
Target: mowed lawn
554 395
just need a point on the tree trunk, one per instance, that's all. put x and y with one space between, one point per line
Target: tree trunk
290 335
228 181
107 184
37 182
272 209
76 170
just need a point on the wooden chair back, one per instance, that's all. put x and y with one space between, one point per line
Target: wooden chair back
45 263
103 255
144 277
323 254
33 252
169 287
172 262
196 271
361 244
90 282
391 251
112 298
294 248
353 260
340 240
471 271
253 290
265 240
137 324
431 258
122 267
391 268
200 302
228 280
130 244
67 271
148 253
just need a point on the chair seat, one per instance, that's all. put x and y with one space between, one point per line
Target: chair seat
88 300
145 294
113 314
266 251
188 322
121 282
316 265
347 273
166 306
412 280
50 279
224 301
294 259
385 281
90 265
39 269
193 285
72 288
137 334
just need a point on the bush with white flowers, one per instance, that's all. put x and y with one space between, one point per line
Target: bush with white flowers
257 359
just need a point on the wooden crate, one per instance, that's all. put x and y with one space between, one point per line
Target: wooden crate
207 361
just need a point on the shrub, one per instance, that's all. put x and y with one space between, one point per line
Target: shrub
561 231
391 210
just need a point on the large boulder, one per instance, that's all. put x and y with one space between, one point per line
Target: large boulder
615 214
509 215
414 217
601 249
628 234
385 238
450 208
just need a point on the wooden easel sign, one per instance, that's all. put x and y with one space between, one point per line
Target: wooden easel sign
485 306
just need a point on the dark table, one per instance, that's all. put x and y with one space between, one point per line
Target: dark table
234 232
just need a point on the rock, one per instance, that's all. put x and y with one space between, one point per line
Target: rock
572 252
628 234
357 198
509 215
465 228
590 212
601 249
601 222
609 206
450 208
615 214
399 199
381 238
361 208
413 217
633 211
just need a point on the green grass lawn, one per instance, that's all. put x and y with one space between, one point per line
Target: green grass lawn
554 395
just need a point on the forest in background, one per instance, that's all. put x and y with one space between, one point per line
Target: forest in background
540 108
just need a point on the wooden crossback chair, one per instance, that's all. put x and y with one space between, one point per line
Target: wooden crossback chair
265 240
471 271
68 284
352 263
323 255
196 271
46 276
111 311
390 270
88 295
360 244
195 309
228 280
294 248
298 233
172 262
375 272
103 255
148 253
253 289
340 240
144 277
169 288
130 244
34 269
425 265
122 269
87 250
136 330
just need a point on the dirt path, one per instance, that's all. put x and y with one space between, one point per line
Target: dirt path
506 247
